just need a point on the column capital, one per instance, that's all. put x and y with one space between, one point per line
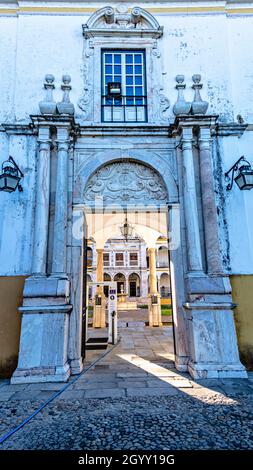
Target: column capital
44 144
187 133
62 145
63 132
186 140
205 138
44 134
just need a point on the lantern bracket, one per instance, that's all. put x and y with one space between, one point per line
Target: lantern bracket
232 170
16 170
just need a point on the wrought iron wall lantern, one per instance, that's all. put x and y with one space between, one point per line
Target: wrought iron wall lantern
244 178
11 176
114 89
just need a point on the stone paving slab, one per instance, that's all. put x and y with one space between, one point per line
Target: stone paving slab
5 396
152 391
126 375
174 383
71 395
45 386
93 384
105 393
26 395
131 401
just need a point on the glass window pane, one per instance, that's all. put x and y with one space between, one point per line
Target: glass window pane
129 69
129 80
117 59
138 58
138 101
108 58
141 114
118 101
138 80
108 78
117 69
131 114
138 90
117 78
129 58
129 91
138 69
108 69
118 116
129 101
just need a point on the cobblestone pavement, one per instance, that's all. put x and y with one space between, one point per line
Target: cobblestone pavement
133 398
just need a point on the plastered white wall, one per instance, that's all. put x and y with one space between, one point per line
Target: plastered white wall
215 45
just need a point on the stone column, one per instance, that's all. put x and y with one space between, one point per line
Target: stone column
213 256
61 204
39 261
154 303
127 285
190 205
45 311
99 301
100 268
152 269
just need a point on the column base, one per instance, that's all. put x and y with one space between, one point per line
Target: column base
181 363
41 375
217 371
154 310
43 342
212 341
76 366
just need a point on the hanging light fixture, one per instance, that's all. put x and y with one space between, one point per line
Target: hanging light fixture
126 229
244 178
10 177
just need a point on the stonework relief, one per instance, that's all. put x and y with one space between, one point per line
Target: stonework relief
121 17
130 182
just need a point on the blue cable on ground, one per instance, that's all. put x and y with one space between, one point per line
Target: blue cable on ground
21 425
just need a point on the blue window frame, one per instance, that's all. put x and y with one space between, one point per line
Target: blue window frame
126 67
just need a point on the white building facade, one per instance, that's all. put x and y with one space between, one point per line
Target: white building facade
158 108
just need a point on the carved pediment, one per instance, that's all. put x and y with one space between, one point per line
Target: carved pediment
126 183
121 20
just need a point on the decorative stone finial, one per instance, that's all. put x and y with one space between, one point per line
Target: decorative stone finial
181 106
65 106
109 15
48 106
135 15
198 105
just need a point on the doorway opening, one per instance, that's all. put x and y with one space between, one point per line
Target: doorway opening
143 287
127 232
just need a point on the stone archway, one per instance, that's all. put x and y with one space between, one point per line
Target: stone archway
134 285
121 283
165 288
132 184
